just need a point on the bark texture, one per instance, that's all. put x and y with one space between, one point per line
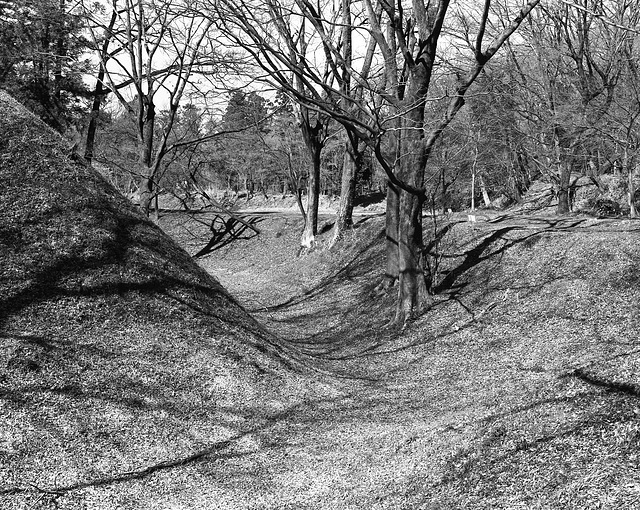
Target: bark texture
392 231
310 231
350 167
564 206
412 163
633 211
147 186
98 95
313 134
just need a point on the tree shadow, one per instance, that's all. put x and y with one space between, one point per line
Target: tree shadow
359 265
226 231
260 424
136 256
625 388
481 252
340 321
214 452
477 463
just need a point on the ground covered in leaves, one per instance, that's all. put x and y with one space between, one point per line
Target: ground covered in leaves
129 378
127 373
518 388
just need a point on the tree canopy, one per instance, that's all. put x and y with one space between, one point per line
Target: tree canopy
440 103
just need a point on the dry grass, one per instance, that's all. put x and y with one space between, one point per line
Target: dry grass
129 379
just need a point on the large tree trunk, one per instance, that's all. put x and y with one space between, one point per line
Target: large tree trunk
392 229
633 212
563 188
310 231
485 194
147 185
564 160
392 223
93 119
411 284
145 190
351 164
631 192
314 140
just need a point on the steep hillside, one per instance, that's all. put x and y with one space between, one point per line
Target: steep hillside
119 356
518 389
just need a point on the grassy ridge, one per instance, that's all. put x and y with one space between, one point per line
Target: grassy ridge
554 365
119 356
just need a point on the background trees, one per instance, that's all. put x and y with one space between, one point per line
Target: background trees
564 93
392 101
293 96
246 160
43 57
161 45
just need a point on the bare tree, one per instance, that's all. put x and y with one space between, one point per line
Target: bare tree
161 44
99 91
568 88
286 46
619 130
389 114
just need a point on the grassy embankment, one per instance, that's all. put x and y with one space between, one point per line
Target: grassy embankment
130 379
518 389
127 373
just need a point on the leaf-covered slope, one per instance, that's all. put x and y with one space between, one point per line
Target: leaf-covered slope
517 389
119 355
65 232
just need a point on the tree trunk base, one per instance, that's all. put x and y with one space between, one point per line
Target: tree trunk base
400 322
308 244
388 282
338 235
308 241
405 314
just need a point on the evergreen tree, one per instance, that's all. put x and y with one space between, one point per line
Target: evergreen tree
244 150
40 58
